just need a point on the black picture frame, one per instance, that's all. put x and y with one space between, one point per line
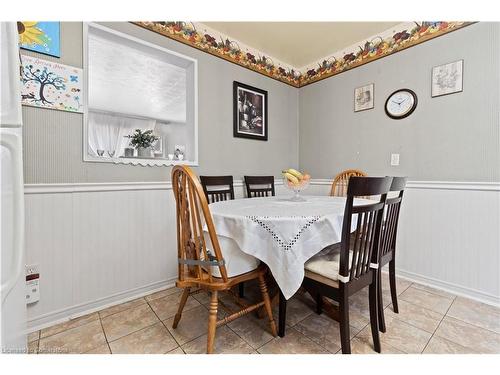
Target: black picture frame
246 123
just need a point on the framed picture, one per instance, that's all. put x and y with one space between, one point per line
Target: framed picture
158 147
250 112
41 37
48 84
447 78
363 97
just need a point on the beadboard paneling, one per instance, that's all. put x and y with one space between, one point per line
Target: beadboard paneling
98 244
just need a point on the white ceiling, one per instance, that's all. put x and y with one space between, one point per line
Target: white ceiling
300 43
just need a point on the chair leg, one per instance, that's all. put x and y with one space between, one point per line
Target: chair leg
319 303
344 324
241 290
212 322
267 304
373 291
282 315
380 303
182 303
392 282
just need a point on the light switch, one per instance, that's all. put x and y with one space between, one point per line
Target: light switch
394 159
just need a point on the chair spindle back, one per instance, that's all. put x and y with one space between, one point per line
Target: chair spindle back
341 181
390 224
368 219
259 186
192 211
218 188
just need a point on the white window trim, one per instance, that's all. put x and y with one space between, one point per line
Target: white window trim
134 161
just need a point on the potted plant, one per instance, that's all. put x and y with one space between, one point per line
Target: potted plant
142 141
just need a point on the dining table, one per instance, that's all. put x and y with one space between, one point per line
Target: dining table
283 233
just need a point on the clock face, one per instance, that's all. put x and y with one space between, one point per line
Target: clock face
401 104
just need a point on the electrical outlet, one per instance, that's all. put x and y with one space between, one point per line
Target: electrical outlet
394 159
32 283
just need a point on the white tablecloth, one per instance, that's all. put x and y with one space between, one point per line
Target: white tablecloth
281 233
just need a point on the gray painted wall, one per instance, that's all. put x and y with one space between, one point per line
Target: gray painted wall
53 139
448 138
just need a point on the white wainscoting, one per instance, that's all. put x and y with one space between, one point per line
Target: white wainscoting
448 236
101 244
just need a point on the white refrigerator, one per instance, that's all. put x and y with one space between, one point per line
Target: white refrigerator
13 283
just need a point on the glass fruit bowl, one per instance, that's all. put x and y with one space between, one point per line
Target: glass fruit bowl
296 188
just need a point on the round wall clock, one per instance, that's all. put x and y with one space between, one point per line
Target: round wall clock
400 104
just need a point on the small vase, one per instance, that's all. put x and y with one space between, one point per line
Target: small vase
144 152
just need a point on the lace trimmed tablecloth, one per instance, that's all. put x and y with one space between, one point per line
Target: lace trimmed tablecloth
282 233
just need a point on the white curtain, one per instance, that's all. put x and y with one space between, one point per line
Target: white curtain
107 132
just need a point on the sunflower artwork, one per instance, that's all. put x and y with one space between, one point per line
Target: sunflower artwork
42 37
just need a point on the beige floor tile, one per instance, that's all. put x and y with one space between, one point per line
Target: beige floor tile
202 297
254 331
297 309
323 331
438 345
80 339
477 313
68 325
226 342
177 350
33 347
121 307
151 340
294 342
417 316
468 335
33 336
429 289
103 349
128 321
166 307
193 324
401 284
162 293
427 300
360 345
399 335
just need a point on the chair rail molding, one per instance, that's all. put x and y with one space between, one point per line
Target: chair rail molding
112 242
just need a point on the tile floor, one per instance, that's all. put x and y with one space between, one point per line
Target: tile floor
430 321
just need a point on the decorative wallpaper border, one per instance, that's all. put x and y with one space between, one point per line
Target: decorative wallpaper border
398 38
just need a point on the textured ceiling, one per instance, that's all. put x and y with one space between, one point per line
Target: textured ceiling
300 43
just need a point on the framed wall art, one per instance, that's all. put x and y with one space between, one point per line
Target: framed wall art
41 37
48 84
364 97
250 112
448 78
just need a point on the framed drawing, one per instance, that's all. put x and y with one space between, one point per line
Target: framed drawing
363 97
447 78
41 37
48 84
250 112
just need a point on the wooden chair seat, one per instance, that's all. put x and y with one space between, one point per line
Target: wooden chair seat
321 279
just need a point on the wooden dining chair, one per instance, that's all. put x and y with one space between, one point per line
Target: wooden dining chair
196 263
340 182
339 275
388 246
259 186
217 188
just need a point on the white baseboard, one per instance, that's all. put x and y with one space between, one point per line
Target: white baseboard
61 316
449 287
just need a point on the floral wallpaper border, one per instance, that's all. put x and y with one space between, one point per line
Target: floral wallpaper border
393 40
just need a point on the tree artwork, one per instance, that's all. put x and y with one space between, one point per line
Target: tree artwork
43 78
51 85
